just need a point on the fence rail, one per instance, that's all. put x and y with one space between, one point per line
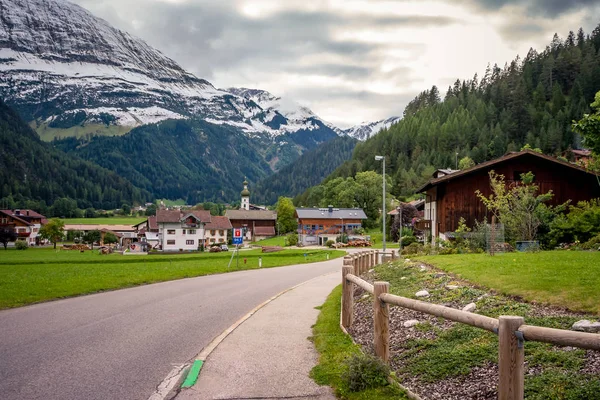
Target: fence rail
511 330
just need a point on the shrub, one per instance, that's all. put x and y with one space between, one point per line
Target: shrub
21 245
329 243
592 244
581 223
413 248
365 372
342 238
292 239
408 240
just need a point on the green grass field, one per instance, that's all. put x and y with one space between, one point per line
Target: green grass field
36 275
564 278
274 241
105 221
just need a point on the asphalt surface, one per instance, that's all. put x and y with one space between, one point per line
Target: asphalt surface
122 344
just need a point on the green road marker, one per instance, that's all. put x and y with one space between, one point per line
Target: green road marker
192 376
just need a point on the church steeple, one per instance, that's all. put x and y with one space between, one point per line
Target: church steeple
245 196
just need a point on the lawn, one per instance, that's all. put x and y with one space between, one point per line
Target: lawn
105 221
377 239
36 275
563 278
274 241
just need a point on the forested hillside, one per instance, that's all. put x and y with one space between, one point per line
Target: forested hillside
188 159
529 101
33 170
306 171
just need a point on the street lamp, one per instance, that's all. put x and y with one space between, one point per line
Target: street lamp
382 158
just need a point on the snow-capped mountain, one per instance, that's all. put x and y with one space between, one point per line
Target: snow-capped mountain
61 65
367 129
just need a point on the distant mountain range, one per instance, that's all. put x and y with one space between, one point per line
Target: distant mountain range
71 74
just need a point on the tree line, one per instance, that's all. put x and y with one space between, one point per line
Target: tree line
531 100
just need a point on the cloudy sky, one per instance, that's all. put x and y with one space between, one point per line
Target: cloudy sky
348 60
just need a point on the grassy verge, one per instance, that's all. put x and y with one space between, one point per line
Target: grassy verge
105 221
37 275
335 349
274 241
441 355
564 278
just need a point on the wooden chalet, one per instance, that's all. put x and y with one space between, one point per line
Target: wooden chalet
452 196
25 223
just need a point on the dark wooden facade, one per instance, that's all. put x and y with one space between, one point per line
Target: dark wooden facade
451 197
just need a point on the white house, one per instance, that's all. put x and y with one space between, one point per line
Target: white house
181 230
217 230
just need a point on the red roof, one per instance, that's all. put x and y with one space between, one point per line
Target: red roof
12 215
219 223
177 215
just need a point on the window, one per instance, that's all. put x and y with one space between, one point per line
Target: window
320 227
183 231
171 232
212 240
314 227
212 232
189 242
4 221
171 242
192 231
221 240
222 233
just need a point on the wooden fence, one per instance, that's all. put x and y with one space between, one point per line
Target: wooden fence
512 331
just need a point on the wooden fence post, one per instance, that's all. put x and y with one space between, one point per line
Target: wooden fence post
510 359
373 258
376 257
347 294
363 262
381 321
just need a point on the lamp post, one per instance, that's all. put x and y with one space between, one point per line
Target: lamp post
382 158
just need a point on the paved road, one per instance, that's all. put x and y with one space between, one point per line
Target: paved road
121 344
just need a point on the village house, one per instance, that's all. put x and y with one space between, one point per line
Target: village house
26 224
147 232
450 197
181 230
257 224
318 225
216 231
125 233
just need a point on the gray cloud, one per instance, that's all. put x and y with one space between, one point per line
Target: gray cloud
217 41
546 8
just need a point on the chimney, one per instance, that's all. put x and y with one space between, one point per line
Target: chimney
17 212
330 208
27 213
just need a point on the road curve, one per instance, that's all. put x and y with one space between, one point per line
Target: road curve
122 344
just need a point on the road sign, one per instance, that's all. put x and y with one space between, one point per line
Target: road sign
238 236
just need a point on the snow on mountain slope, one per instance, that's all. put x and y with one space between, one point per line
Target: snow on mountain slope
368 129
58 61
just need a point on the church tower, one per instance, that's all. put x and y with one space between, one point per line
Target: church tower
245 197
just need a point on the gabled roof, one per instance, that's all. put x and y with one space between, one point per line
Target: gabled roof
257 215
178 216
336 213
13 216
218 223
150 222
505 158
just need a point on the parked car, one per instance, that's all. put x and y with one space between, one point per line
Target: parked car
224 247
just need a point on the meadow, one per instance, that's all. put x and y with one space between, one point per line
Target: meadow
42 274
